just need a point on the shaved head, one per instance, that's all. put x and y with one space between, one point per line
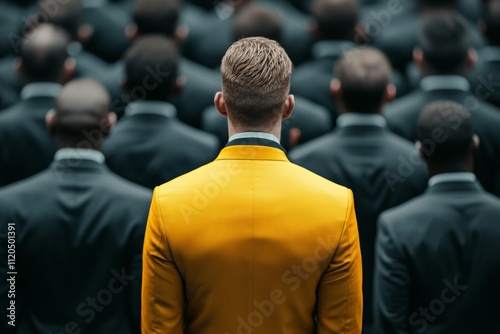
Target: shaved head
335 19
364 75
81 113
67 15
44 53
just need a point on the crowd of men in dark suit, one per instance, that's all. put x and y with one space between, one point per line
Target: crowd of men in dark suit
415 94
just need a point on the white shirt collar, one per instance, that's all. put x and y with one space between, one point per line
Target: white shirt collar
359 119
79 154
41 89
151 108
451 177
437 82
258 135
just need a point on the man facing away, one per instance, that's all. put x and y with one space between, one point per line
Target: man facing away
438 264
252 243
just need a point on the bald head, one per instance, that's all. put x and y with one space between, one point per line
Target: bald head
81 117
254 21
335 19
364 76
43 54
67 14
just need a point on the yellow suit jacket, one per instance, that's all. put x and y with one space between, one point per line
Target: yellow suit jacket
251 243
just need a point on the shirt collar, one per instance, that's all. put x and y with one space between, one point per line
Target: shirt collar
438 82
79 154
151 108
359 119
333 49
257 135
40 89
490 53
451 177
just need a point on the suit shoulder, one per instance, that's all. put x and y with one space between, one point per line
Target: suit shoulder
122 187
316 147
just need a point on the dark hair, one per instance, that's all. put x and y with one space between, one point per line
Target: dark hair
437 3
157 16
253 21
151 65
66 15
336 19
364 75
44 52
444 40
445 131
491 17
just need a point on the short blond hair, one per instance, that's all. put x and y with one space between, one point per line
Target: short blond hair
256 75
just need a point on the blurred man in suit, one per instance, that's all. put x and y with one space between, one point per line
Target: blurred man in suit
485 78
445 57
150 146
260 223
26 147
308 120
437 268
382 169
79 229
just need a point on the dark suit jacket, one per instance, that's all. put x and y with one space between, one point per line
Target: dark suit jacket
438 264
485 78
379 168
311 119
26 146
402 117
151 149
79 234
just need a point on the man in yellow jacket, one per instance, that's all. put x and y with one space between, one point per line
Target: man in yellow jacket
252 243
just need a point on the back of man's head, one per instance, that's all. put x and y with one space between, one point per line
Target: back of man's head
445 133
491 17
66 14
335 19
43 54
255 81
254 20
151 66
444 41
157 16
81 117
364 75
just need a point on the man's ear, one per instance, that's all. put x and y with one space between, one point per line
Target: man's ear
179 85
220 104
288 107
109 124
50 121
471 58
313 30
476 142
131 31
336 89
69 69
85 33
418 146
181 33
390 93
18 66
482 27
418 59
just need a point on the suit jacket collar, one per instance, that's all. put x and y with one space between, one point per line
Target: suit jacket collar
452 187
444 82
161 108
41 89
253 149
360 119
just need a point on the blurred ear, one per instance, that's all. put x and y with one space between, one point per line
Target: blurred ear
293 137
50 121
131 31
476 143
313 30
288 107
418 59
110 123
418 146
482 26
181 33
220 104
390 93
85 33
336 89
179 85
69 69
18 66
471 58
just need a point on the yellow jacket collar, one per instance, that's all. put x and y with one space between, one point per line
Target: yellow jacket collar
252 152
